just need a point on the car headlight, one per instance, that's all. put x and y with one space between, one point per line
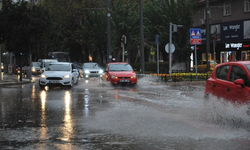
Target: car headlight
66 76
43 76
113 77
134 76
101 71
86 71
33 69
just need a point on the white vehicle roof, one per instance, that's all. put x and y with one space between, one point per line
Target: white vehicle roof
49 60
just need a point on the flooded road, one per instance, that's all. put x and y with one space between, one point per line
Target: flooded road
92 116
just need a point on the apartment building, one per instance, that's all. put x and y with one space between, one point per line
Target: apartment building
229 29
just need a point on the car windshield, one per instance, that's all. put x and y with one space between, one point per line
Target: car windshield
46 64
91 65
58 67
120 67
36 64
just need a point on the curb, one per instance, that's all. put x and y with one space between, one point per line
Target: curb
186 83
14 83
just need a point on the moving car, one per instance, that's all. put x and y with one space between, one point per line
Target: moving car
62 74
35 68
2 67
230 81
202 65
120 73
90 69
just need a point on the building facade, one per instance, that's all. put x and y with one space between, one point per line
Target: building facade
229 22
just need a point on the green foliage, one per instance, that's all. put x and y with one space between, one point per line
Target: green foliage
151 67
80 27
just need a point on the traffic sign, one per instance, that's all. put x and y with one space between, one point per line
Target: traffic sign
195 36
156 39
172 47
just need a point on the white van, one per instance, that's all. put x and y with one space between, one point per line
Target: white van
45 63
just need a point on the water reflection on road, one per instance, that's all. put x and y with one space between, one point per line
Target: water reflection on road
92 116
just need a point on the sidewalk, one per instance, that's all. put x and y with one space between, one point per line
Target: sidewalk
12 79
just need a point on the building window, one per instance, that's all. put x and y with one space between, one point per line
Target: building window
247 5
227 8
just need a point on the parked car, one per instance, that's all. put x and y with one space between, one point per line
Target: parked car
90 69
35 68
59 73
120 73
45 63
230 81
202 65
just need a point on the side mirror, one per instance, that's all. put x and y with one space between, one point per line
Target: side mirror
239 82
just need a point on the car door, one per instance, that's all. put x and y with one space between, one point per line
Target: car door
237 93
220 84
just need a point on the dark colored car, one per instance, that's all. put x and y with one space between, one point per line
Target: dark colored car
120 73
230 81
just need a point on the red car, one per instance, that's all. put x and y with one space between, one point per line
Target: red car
230 81
119 73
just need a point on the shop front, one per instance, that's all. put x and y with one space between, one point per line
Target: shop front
230 41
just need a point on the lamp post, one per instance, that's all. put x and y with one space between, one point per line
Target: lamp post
207 34
141 38
109 57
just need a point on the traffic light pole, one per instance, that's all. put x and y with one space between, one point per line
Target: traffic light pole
109 57
170 56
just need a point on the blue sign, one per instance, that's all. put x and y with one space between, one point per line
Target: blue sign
156 39
195 36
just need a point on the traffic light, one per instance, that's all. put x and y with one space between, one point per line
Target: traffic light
126 53
175 27
123 39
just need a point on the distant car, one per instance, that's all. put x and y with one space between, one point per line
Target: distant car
62 74
35 68
45 63
202 65
230 81
90 69
2 67
120 73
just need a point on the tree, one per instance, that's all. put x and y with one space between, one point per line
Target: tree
23 27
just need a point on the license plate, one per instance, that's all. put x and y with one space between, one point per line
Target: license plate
124 80
53 81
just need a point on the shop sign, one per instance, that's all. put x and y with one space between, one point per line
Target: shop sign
233 45
232 31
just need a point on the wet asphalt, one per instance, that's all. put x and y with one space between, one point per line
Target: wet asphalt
96 115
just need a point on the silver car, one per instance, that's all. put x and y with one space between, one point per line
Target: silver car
90 69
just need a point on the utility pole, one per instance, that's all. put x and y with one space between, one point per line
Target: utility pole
207 34
141 38
109 57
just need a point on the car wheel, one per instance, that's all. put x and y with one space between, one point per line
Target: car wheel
72 82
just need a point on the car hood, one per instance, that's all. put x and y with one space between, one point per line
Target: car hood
122 73
56 73
93 69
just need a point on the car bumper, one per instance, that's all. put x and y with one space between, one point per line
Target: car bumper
123 81
63 82
92 75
